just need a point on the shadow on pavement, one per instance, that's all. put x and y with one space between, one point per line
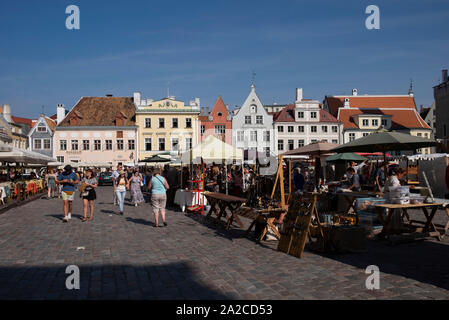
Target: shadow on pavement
141 221
97 282
423 261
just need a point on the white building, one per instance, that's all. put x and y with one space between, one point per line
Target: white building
303 123
252 126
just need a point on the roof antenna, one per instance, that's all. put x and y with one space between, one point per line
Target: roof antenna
43 107
254 79
410 91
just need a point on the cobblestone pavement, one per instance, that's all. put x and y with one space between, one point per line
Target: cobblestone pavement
193 258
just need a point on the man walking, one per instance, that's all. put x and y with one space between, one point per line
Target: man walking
114 176
69 180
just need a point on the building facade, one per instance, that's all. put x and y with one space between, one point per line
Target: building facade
252 126
166 125
303 123
217 123
17 128
441 95
363 115
97 129
40 137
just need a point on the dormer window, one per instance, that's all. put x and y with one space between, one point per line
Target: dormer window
253 108
220 114
41 128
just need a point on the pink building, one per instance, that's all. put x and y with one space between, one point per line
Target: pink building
97 129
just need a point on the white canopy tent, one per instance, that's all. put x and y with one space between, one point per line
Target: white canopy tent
24 156
213 150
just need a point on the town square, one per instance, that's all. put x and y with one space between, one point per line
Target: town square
243 152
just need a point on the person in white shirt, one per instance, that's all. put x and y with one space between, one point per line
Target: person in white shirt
114 176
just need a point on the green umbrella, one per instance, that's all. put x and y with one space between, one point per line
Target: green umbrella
385 141
347 156
156 158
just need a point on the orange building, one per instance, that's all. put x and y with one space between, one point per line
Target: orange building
218 123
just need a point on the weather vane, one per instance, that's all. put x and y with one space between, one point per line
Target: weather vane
254 77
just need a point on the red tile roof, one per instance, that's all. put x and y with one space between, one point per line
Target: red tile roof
370 102
28 122
401 119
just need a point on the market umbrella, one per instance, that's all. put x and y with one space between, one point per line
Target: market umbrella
385 141
347 156
24 156
155 158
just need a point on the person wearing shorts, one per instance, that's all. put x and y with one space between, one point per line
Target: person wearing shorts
68 179
89 184
158 186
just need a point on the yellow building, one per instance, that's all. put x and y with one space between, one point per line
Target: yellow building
166 125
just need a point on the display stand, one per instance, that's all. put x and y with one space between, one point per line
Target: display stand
198 188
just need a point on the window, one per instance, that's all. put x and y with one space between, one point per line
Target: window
161 123
384 122
253 108
147 122
365 134
240 136
259 119
97 144
300 143
290 129
300 115
266 136
352 136
334 129
161 144
313 129
280 128
419 134
119 135
85 144
365 122
148 144
188 143
375 122
131 144
37 144
313 141
60 159
313 115
175 144
280 145
174 122
63 145
120 144
291 144
47 144
335 141
41 128
253 136
203 129
324 129
267 151
189 123
247 119
220 129
74 145
300 128
426 135
108 144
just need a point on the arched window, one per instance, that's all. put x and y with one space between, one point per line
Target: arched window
253 108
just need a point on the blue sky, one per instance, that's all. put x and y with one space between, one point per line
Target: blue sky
210 48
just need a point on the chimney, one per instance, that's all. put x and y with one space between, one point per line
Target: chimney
346 105
60 113
7 112
197 101
354 92
298 94
444 75
137 98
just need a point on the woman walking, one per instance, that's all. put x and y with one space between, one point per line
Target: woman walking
121 183
136 183
89 184
51 182
158 186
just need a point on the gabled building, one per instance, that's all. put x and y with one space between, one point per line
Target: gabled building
166 125
97 129
17 128
40 137
362 115
441 95
252 126
217 123
304 122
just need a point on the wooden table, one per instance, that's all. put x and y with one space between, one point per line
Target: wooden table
428 225
262 216
220 202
